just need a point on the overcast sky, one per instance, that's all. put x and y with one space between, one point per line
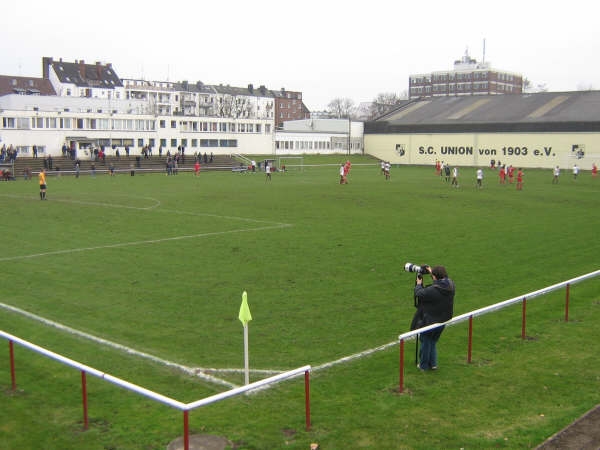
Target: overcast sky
325 49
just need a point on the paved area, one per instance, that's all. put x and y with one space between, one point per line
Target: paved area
583 434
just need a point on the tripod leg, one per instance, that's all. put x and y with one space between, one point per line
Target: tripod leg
417 351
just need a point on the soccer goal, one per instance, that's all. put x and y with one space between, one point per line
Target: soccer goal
291 163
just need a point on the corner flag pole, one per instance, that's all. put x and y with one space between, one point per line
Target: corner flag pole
245 317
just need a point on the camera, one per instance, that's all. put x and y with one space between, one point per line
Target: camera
410 267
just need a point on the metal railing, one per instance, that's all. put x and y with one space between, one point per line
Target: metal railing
184 407
497 306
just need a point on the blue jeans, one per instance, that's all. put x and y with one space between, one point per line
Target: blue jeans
428 351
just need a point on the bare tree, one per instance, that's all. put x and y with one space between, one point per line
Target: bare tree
340 108
384 103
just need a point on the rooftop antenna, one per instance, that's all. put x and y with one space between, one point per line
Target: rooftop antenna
483 59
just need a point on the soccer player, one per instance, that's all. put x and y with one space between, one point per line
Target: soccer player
511 173
455 176
556 173
42 179
479 178
520 180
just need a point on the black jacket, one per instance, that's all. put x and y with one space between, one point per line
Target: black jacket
435 303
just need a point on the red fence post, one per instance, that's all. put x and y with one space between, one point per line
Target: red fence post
84 396
401 386
307 398
524 320
13 376
186 430
567 303
470 345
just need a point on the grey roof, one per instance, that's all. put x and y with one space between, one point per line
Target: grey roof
87 75
546 111
260 91
198 87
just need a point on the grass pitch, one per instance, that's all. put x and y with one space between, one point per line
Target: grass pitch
158 264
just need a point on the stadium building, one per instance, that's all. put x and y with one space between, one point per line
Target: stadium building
81 105
539 130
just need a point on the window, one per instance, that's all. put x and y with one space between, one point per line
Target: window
163 142
140 143
8 122
228 143
162 123
51 122
173 142
173 124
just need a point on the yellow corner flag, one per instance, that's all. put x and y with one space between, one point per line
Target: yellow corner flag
245 315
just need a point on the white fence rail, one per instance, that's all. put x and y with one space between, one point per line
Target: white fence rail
488 309
185 407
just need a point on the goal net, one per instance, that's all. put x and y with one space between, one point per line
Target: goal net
291 163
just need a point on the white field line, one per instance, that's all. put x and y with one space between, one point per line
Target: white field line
271 225
197 371
354 356
188 370
203 373
145 242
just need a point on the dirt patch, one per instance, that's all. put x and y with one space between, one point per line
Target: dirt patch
583 434
200 442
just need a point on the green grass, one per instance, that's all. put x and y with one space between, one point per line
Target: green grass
159 264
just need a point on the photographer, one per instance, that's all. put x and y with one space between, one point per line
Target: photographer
435 304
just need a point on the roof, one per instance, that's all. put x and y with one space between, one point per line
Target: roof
197 87
25 85
545 111
250 90
86 75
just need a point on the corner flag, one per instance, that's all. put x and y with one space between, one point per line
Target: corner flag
244 314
